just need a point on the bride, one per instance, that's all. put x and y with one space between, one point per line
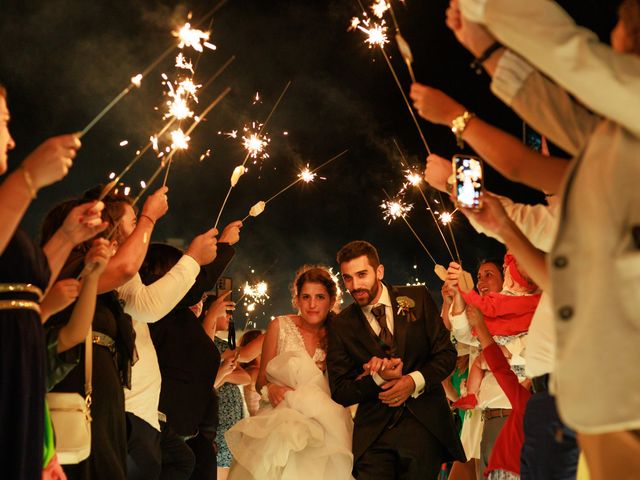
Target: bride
302 433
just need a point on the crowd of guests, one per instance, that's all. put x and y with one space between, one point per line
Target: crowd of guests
545 374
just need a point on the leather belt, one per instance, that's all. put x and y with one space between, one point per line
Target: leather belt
489 413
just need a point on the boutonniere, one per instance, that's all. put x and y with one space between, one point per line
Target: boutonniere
406 306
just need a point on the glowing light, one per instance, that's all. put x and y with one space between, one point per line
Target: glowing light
124 142
413 178
112 175
251 307
446 217
127 190
206 154
143 184
154 142
307 175
258 292
194 38
256 99
255 144
376 32
179 140
336 280
379 8
137 80
394 209
183 63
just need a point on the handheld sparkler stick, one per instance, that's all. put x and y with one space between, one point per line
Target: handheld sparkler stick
406 100
402 213
426 201
201 117
306 176
112 184
246 158
155 174
136 80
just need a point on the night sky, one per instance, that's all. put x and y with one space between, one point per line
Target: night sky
63 60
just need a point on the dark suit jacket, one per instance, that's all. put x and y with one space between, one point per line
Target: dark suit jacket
423 344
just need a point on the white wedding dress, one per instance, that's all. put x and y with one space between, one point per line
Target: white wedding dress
307 436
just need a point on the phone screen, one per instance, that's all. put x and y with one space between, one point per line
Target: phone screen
224 285
468 173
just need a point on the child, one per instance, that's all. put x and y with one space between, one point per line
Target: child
507 314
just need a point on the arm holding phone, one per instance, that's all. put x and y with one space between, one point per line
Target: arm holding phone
507 154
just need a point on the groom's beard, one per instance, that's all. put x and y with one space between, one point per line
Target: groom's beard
371 293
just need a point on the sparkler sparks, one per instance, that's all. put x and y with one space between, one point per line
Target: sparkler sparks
183 63
379 8
137 80
194 38
254 143
412 177
258 292
394 209
376 32
446 218
179 140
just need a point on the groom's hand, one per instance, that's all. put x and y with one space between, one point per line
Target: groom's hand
387 368
396 392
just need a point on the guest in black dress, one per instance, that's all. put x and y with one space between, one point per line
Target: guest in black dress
188 358
25 273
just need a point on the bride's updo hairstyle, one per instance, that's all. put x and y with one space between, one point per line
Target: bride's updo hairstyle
313 274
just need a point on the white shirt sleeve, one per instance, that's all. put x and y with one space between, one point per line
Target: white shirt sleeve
417 377
537 222
149 303
461 329
546 36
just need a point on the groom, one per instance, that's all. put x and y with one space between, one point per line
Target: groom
403 425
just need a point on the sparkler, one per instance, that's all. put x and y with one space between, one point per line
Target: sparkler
259 134
416 180
153 140
304 176
192 37
257 292
376 36
136 80
196 122
395 209
255 143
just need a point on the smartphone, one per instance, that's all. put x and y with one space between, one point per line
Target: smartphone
224 285
467 170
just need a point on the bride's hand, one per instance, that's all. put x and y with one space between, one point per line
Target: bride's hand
276 393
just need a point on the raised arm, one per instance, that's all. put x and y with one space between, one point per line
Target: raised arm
47 164
130 255
75 330
546 36
506 153
493 217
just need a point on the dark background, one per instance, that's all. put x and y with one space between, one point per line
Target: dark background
64 60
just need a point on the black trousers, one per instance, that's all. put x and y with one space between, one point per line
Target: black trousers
154 455
406 451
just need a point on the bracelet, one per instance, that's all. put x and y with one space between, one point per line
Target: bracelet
29 181
459 125
144 215
451 181
477 63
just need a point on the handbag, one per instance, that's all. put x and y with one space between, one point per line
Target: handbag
71 415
